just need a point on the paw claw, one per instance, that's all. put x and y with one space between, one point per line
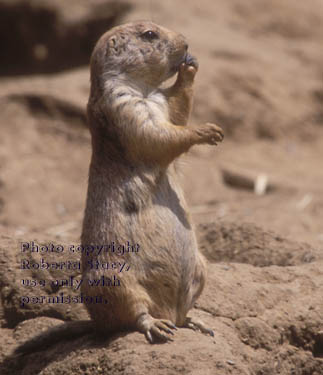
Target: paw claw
169 324
149 337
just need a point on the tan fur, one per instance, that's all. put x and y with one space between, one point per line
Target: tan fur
138 130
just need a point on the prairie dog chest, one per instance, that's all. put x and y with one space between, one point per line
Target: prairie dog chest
132 103
157 105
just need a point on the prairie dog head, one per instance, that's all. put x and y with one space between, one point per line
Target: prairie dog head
143 53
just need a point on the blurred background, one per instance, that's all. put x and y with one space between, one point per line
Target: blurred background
260 78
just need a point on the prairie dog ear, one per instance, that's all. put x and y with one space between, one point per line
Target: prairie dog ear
116 44
113 43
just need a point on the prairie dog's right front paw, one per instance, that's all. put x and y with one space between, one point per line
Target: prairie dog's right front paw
210 133
188 69
191 61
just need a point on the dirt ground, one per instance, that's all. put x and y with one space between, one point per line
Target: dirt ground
256 199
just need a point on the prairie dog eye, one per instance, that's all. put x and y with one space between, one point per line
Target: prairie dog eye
150 35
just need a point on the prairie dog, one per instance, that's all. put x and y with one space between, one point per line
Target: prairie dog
138 130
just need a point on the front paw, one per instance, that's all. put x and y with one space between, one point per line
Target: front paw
191 61
188 69
210 134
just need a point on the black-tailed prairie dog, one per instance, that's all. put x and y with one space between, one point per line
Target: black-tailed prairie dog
134 200
138 130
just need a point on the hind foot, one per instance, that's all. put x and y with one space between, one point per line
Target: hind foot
155 330
196 324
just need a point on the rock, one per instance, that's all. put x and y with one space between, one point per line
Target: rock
247 180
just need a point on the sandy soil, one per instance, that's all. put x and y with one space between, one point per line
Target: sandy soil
260 78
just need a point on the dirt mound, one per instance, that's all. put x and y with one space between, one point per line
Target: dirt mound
265 321
248 243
